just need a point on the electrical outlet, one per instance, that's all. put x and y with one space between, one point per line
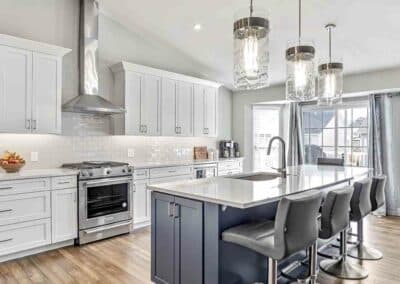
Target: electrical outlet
131 153
34 156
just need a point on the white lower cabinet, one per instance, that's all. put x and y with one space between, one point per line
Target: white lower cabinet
23 236
24 207
64 214
141 204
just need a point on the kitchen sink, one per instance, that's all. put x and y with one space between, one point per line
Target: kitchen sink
260 176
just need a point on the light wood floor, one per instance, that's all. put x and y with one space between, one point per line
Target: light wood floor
126 259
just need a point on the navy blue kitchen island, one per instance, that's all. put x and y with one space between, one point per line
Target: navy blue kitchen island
188 218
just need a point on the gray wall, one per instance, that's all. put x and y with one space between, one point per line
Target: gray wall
242 101
56 22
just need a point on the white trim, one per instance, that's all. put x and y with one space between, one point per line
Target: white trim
36 250
127 66
31 45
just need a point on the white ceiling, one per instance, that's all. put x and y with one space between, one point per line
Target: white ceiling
367 36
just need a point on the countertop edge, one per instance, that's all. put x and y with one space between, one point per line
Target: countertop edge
33 174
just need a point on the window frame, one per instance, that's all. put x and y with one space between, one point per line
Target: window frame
336 108
275 107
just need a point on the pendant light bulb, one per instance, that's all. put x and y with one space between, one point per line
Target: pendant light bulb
251 54
300 81
330 77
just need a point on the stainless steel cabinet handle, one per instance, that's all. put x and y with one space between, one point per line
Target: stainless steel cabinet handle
4 188
28 124
171 209
34 124
64 182
6 240
176 211
6 210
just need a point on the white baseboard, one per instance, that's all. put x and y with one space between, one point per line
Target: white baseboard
35 251
141 225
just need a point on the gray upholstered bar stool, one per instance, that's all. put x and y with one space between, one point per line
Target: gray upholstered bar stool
334 220
295 229
377 199
330 161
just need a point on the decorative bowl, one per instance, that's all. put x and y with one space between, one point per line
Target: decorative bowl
12 168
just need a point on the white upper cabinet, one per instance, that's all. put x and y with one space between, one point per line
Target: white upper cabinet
150 105
140 95
15 90
158 102
30 86
46 114
205 111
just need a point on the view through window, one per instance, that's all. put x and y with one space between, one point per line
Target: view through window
340 132
266 124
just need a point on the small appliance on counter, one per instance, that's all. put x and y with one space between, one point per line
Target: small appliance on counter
229 149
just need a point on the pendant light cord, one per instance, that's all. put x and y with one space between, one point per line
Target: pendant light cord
251 8
299 21
330 44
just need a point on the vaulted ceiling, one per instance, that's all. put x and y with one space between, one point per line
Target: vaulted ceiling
367 36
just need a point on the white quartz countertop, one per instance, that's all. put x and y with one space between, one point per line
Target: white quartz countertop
40 173
147 165
241 193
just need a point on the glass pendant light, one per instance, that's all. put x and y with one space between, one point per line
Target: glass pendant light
330 77
300 80
251 55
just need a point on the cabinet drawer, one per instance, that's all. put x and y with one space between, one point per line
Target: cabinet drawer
23 236
64 182
230 165
141 174
24 186
24 207
171 171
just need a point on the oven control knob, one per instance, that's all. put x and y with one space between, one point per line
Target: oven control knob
90 174
108 172
124 204
123 170
129 170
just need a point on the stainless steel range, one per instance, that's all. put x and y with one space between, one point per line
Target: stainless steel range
105 199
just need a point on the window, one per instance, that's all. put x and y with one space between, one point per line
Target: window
266 124
340 132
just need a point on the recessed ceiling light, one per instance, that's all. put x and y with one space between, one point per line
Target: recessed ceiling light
197 27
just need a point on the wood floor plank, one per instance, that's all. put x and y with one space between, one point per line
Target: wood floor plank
126 259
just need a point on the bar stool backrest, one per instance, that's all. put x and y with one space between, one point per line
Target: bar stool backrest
296 224
378 192
360 203
335 212
330 161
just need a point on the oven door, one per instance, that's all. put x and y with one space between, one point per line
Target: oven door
105 201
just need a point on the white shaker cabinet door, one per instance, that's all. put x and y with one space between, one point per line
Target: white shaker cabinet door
46 101
168 107
184 108
15 90
132 97
199 116
150 105
210 112
64 217
141 203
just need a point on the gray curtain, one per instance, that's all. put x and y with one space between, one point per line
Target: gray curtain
295 141
382 150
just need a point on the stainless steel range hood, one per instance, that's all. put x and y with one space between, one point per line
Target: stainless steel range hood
89 100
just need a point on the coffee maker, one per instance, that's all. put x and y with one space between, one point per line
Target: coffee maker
228 149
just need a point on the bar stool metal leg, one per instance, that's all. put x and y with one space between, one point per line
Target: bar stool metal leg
341 268
313 263
272 271
361 251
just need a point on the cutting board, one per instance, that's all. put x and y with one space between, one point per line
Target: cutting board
200 153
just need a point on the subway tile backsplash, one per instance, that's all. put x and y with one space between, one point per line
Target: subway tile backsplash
55 150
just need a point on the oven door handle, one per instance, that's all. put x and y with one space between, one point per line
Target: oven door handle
108 181
104 228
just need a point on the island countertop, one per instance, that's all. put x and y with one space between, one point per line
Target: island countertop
240 193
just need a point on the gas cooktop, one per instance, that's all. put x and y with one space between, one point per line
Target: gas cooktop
99 169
